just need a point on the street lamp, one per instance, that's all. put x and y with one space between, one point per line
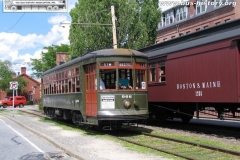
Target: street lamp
98 24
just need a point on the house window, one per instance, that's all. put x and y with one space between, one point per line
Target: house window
181 13
205 27
165 39
218 23
201 6
227 20
169 18
187 32
181 34
198 29
173 37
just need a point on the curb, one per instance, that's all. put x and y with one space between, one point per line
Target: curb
67 150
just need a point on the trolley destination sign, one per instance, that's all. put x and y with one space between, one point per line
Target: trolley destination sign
35 5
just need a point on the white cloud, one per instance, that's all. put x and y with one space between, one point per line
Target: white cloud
12 43
57 19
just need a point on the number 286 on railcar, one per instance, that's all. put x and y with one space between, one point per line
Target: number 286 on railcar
103 88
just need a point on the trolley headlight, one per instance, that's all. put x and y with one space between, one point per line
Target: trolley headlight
126 104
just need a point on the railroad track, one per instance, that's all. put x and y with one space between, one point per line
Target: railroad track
214 130
180 148
184 149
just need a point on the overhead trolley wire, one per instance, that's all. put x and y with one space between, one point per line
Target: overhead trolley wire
16 22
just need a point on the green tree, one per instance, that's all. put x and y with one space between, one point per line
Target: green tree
48 59
6 77
136 23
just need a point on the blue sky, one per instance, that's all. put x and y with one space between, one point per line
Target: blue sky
23 35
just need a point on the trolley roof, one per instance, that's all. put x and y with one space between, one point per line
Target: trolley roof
99 53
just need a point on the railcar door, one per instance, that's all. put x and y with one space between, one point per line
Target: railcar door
91 92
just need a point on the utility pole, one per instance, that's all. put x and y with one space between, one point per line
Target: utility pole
98 24
114 27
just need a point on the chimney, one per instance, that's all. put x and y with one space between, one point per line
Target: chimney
13 75
61 57
23 70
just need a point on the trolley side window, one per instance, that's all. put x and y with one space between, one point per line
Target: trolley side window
141 76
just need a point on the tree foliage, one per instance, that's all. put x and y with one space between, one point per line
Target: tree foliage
48 59
6 78
136 22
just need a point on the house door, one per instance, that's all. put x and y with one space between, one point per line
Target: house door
91 92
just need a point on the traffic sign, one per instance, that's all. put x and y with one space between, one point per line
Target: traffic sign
13 85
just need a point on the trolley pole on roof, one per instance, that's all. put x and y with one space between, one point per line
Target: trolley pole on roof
114 27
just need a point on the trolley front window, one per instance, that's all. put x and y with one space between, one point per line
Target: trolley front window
122 76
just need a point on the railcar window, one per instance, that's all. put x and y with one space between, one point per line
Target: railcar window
161 68
157 72
152 72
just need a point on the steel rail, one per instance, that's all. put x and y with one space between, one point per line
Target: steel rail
195 144
154 148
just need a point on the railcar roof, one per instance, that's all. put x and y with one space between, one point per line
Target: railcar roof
213 34
99 53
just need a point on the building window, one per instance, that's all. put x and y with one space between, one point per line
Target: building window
181 34
227 20
218 23
187 32
198 29
181 13
219 3
173 37
205 27
201 6
169 18
165 39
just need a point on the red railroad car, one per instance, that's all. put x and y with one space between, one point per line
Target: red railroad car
195 72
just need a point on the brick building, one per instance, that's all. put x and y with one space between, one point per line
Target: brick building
194 16
32 88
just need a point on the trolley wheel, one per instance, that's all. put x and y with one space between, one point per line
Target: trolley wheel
49 8
4 105
55 8
13 8
21 105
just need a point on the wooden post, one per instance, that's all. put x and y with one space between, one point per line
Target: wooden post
114 28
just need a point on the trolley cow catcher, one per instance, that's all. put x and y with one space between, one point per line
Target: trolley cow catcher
88 89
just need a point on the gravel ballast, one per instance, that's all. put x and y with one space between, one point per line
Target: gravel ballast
78 144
